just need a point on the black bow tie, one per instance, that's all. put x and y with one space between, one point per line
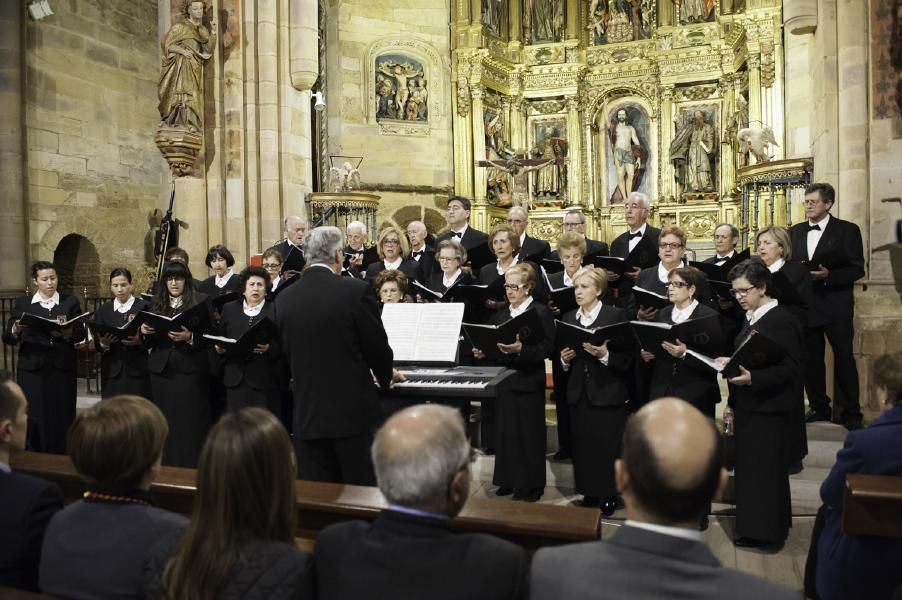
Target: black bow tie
457 234
813 227
417 253
638 234
722 260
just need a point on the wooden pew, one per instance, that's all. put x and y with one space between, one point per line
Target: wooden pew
872 505
321 504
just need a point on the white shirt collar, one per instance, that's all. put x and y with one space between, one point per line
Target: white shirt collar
516 312
275 282
292 244
176 301
778 264
454 276
567 281
222 280
123 308
680 532
678 316
253 311
462 230
322 266
823 223
513 262
522 239
641 229
588 318
5 468
726 256
49 303
754 316
663 273
392 266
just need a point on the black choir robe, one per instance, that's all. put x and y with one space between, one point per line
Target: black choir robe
408 266
123 369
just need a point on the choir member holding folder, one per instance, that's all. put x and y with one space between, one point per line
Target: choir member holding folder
598 392
674 372
671 247
451 256
123 358
252 371
46 365
763 397
520 409
505 244
178 364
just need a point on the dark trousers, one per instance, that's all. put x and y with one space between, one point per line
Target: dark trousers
845 372
336 460
561 407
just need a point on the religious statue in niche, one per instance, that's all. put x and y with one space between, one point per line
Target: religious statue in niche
550 143
494 17
499 187
627 150
401 91
695 11
693 153
543 21
186 47
612 21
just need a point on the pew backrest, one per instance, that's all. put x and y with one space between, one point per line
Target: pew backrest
872 505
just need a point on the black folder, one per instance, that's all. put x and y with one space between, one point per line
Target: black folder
479 256
127 330
476 294
620 336
785 291
755 352
283 285
614 264
487 337
430 295
551 265
564 299
221 300
703 334
195 318
49 325
263 331
647 298
721 272
295 260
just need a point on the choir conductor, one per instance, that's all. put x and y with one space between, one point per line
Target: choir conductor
333 337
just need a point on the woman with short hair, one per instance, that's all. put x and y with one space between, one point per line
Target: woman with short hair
391 287
395 254
223 281
272 262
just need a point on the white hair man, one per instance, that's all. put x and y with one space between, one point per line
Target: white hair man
291 249
530 247
359 255
638 246
420 251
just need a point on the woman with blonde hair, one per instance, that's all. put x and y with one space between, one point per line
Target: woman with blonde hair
395 254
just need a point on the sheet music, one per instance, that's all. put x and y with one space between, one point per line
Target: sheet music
423 333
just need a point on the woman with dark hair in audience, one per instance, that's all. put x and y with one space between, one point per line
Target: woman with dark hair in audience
272 263
179 368
520 408
763 399
391 286
395 254
256 379
123 361
220 261
598 392
240 543
679 374
46 363
775 249
859 567
96 547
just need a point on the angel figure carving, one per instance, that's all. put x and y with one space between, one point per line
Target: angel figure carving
756 141
344 179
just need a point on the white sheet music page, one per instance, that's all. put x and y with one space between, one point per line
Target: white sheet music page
423 333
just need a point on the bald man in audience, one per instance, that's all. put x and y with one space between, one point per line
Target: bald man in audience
669 472
422 461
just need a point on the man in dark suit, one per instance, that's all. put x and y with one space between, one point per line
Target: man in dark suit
833 250
459 225
575 221
26 503
726 237
670 470
422 461
420 251
333 338
530 248
359 256
638 246
292 247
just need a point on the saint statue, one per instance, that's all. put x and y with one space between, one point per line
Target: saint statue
627 151
695 11
691 152
544 21
186 47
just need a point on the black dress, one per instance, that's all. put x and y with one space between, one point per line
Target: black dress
46 372
254 380
798 275
208 286
408 266
123 369
180 384
598 395
520 411
762 421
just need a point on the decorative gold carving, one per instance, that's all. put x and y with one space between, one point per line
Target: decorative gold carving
548 230
775 169
544 55
404 128
696 92
463 97
545 107
699 225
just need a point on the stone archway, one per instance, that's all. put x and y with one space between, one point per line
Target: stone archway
78 266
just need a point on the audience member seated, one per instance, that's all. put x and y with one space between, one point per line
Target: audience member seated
96 547
26 503
850 567
670 470
240 543
422 461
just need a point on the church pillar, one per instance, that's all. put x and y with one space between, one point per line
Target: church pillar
592 198
574 153
573 9
665 130
755 114
476 125
14 254
515 20
463 139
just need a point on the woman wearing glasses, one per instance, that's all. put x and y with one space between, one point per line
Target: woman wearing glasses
763 399
394 251
451 255
520 408
671 247
272 264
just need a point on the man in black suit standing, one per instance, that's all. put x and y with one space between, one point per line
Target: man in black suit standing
26 503
726 237
359 255
293 244
575 221
422 461
333 338
669 472
530 248
638 246
833 250
420 251
459 225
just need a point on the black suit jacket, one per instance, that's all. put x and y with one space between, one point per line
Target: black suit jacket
471 238
604 385
800 278
370 256
409 267
427 263
182 356
28 504
333 337
132 360
283 248
831 298
208 286
530 362
535 248
643 256
404 557
36 349
258 371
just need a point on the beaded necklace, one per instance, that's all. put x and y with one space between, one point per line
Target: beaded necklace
91 496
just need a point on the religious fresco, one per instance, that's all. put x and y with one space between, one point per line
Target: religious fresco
613 21
694 151
401 89
627 149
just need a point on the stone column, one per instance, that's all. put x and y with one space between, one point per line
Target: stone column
476 126
592 198
574 152
665 131
514 17
754 65
14 254
573 8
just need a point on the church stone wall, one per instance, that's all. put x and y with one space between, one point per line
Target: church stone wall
90 95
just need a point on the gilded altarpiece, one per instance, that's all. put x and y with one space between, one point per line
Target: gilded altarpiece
632 95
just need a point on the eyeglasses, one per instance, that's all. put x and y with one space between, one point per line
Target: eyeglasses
677 284
391 242
571 225
670 245
447 258
514 286
512 221
808 202
271 265
741 292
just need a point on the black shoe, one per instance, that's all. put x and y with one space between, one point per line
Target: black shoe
817 414
747 542
590 502
610 505
488 451
562 455
703 523
853 424
504 491
795 467
529 495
